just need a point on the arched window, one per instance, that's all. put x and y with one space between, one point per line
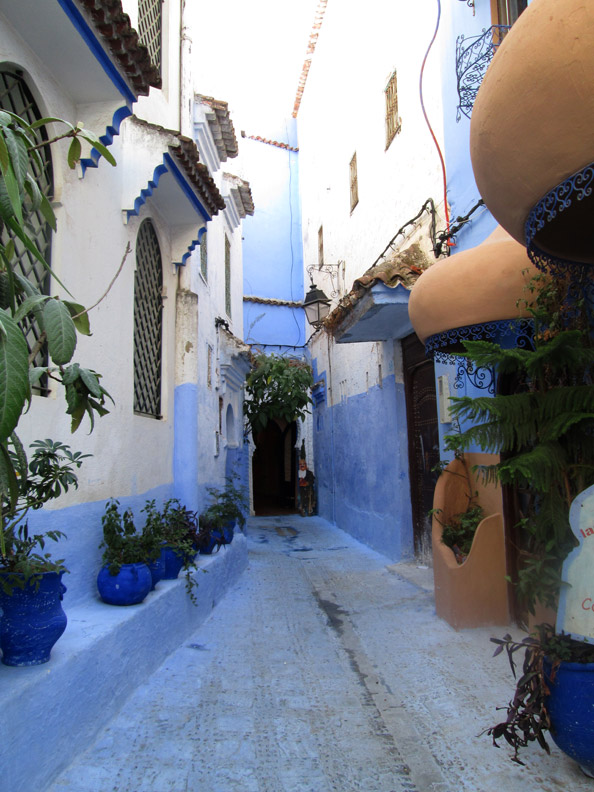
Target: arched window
148 322
230 427
16 96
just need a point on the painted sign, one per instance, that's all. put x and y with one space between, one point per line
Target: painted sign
576 603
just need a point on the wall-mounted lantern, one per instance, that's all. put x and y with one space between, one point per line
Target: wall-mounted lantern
316 306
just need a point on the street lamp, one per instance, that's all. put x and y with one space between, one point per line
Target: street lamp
316 306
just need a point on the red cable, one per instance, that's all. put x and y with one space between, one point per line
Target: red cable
449 242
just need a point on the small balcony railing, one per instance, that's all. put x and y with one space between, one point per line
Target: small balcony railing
473 56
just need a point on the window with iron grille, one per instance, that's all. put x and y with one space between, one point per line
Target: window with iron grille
354 182
149 28
203 258
16 97
393 122
320 247
227 277
148 322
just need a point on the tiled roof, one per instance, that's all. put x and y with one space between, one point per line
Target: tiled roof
403 267
221 126
311 46
242 195
123 42
186 152
269 142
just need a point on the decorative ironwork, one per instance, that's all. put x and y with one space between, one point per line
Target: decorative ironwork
150 28
473 56
148 322
16 97
578 274
447 348
393 121
480 377
470 4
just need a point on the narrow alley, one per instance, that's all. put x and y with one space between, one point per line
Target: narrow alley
325 668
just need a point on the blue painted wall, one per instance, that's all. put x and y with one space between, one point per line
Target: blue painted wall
363 485
272 252
185 450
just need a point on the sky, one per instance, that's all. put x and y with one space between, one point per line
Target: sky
250 54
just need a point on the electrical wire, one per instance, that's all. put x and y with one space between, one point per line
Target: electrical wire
441 159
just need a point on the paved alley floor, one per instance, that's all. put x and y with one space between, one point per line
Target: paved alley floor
324 670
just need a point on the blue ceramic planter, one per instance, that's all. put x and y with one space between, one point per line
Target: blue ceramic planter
571 708
173 563
129 587
32 621
157 570
229 531
215 537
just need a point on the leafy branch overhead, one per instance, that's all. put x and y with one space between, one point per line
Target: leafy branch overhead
22 305
277 388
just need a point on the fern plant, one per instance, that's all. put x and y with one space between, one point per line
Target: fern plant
544 432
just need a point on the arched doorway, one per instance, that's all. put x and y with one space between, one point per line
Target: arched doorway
274 468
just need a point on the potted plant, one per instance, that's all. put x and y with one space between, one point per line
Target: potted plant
173 531
230 504
125 578
543 431
31 586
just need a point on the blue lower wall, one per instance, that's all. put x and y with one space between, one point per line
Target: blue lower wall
185 447
361 467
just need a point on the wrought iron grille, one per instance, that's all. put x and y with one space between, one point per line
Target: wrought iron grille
203 257
150 14
16 97
227 277
473 56
148 322
392 120
354 181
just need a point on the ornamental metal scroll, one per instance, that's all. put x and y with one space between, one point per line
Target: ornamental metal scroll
578 275
473 56
446 348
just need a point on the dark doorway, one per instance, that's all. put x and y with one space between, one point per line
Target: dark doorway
274 469
423 439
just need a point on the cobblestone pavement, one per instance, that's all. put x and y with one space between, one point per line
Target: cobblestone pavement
324 670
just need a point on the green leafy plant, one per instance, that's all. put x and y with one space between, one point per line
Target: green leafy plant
230 502
276 388
543 432
174 526
58 320
459 530
50 473
122 543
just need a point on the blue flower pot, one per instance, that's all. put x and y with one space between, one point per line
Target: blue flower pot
157 570
571 709
215 537
173 562
32 621
129 587
229 531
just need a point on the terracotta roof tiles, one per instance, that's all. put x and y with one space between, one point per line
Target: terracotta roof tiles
221 126
120 38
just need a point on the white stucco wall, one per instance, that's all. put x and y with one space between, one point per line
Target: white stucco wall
343 112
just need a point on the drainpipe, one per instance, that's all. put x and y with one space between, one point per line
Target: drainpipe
185 73
331 404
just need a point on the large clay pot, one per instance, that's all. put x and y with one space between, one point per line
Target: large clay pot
532 129
32 621
129 587
173 562
571 708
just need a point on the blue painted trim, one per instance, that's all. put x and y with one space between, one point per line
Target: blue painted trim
185 187
88 36
107 139
169 166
